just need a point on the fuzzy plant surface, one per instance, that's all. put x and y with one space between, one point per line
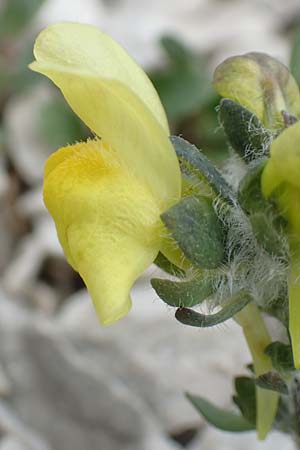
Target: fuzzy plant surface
231 238
240 231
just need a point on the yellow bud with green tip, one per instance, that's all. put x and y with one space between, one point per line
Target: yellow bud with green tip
281 180
261 84
106 195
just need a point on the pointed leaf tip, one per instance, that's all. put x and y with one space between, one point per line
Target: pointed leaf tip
218 417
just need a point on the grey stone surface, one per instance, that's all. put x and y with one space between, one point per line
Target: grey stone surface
213 439
64 391
11 443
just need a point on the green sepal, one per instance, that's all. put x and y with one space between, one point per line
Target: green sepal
250 196
220 418
273 382
163 263
281 355
196 319
266 234
245 132
183 293
197 163
245 397
279 309
197 230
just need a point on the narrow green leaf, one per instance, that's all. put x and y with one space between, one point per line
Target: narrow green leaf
177 52
250 195
183 293
245 397
197 230
244 130
163 263
266 234
220 418
49 118
197 162
195 319
184 86
273 382
16 14
281 356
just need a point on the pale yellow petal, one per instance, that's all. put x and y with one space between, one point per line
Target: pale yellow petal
84 48
285 154
109 104
270 179
107 222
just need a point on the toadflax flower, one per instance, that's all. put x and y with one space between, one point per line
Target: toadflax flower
106 195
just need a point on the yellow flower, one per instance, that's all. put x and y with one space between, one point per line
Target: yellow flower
281 179
106 195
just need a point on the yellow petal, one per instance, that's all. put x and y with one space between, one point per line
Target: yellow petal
261 84
107 222
285 155
113 96
270 179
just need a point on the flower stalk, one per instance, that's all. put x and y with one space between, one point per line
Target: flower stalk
258 338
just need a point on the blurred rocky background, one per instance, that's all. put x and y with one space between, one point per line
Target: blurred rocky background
65 382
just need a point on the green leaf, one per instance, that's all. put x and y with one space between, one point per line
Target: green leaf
195 319
244 130
250 195
220 418
281 356
196 162
245 397
183 293
163 263
295 56
273 382
184 86
49 122
266 234
21 78
182 92
176 51
195 227
16 14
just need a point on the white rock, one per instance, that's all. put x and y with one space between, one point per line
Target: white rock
26 146
31 205
11 424
206 25
30 254
161 358
213 439
11 443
